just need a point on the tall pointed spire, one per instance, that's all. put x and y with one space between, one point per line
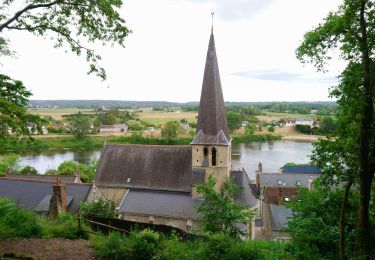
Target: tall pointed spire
212 126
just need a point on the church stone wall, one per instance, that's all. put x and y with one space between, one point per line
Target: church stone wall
222 158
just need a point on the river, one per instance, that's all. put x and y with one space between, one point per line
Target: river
272 155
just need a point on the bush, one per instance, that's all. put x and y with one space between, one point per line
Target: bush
65 226
9 162
100 208
271 129
137 245
28 170
16 222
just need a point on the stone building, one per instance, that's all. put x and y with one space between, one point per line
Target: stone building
157 184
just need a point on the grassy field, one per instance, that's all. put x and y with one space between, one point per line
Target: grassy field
57 113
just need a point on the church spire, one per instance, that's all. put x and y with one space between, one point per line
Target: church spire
212 126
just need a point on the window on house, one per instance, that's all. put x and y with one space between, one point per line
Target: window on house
214 156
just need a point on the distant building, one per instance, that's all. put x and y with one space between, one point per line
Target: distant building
150 129
244 123
32 129
306 121
290 122
117 128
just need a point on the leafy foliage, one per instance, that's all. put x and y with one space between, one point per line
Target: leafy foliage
80 125
28 170
170 129
99 208
9 163
16 222
86 171
314 225
218 213
148 244
68 23
234 120
14 117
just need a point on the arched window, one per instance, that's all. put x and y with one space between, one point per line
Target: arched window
205 154
214 156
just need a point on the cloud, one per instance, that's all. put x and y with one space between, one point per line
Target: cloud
279 75
236 9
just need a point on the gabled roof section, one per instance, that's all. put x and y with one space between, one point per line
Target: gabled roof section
212 118
156 167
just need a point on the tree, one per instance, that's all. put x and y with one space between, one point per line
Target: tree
314 223
9 163
80 125
14 117
69 23
99 208
249 129
327 126
234 121
27 169
169 130
352 29
218 213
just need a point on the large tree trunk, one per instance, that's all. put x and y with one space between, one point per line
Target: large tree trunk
344 202
365 173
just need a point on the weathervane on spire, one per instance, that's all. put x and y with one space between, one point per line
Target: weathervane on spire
212 20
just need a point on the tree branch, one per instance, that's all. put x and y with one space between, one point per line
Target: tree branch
25 9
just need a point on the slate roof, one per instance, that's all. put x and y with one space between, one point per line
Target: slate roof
160 203
280 216
178 204
244 196
30 193
303 169
40 177
211 117
146 167
290 180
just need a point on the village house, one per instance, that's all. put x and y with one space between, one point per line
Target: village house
116 128
306 121
157 183
32 129
274 190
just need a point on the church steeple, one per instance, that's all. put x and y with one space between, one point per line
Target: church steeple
212 126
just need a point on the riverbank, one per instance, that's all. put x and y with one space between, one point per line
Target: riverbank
302 138
97 142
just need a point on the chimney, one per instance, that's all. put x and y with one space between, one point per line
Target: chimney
58 200
260 167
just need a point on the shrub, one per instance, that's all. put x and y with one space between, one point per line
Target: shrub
137 245
16 222
100 208
9 162
28 170
271 129
65 226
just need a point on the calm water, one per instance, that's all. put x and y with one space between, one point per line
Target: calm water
272 155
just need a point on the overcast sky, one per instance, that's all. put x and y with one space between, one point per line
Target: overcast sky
165 55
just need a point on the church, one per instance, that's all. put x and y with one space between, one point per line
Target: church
157 183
